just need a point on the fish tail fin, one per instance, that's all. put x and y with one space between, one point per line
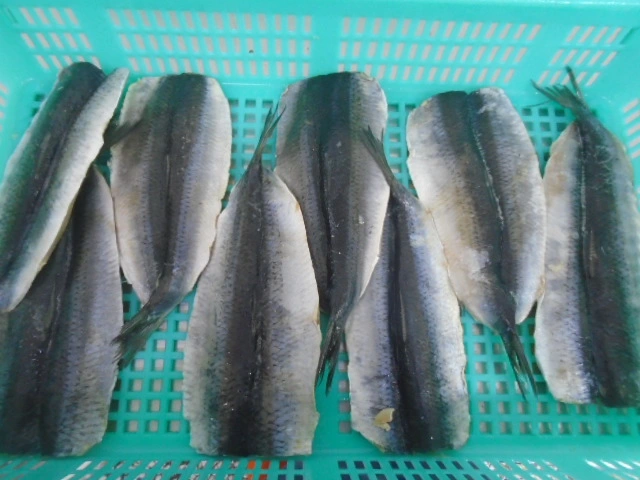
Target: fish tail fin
518 359
135 333
331 347
270 124
115 133
376 149
574 84
562 95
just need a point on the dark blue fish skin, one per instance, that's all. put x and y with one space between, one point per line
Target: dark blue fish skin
611 248
25 338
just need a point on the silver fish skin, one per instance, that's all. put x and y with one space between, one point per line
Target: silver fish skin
406 354
63 330
343 196
44 174
475 170
169 175
608 242
562 334
254 339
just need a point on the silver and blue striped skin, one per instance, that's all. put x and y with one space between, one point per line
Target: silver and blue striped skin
56 362
254 339
169 175
44 174
406 353
342 194
589 344
475 170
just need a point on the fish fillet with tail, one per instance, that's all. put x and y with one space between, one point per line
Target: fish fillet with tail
475 169
588 323
44 174
56 365
406 354
254 339
342 194
169 175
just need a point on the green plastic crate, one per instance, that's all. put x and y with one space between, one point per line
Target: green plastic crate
416 49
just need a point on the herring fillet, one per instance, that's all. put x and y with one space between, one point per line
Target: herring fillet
562 335
254 338
404 338
141 181
610 252
80 352
475 170
24 335
506 148
611 249
58 401
168 180
372 369
343 196
45 172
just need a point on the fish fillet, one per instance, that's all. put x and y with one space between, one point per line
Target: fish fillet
254 338
24 337
590 183
44 174
57 374
406 355
169 176
475 169
342 194
562 335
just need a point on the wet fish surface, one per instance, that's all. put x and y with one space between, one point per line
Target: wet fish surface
404 338
342 194
45 173
476 171
56 363
254 339
588 323
169 176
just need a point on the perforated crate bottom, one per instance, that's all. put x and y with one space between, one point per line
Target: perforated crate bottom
163 467
512 438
